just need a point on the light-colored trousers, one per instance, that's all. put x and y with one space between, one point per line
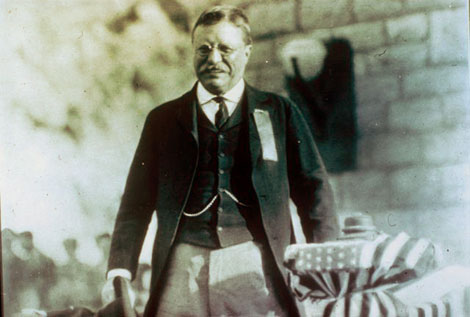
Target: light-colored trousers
232 281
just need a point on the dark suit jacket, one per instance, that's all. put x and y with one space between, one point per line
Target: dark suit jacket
163 168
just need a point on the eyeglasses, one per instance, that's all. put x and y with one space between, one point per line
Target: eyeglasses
223 50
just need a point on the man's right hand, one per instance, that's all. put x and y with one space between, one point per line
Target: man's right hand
108 293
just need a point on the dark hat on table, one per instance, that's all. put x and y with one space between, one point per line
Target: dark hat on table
358 223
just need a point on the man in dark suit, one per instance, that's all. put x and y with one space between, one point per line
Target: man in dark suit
219 165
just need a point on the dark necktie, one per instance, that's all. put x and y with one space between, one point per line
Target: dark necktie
221 115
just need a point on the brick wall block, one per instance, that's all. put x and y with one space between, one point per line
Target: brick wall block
251 76
324 14
447 147
456 109
426 4
372 90
436 80
262 53
400 58
397 149
416 114
361 64
369 62
272 18
371 119
271 78
391 59
362 36
416 186
449 36
365 147
373 10
365 190
407 28
456 183
320 34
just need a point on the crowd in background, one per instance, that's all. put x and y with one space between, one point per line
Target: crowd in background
33 280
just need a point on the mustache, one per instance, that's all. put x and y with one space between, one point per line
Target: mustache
213 70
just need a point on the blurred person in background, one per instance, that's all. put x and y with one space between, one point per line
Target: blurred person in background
76 286
103 242
28 274
219 165
141 286
11 272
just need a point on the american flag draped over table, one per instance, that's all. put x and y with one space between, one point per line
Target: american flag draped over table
359 277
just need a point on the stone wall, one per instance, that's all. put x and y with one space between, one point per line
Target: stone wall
412 84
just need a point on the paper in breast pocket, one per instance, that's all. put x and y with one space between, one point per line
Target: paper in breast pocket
266 134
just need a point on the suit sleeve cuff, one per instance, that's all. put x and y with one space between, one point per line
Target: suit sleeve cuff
119 272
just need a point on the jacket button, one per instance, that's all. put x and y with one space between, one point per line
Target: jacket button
220 229
220 209
222 154
221 171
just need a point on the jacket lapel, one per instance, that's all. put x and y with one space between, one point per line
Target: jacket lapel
255 98
186 114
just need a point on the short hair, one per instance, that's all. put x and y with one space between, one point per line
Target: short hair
227 13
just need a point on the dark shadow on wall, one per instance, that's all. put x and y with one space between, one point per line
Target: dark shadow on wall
328 102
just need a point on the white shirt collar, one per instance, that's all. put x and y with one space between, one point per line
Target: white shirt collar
233 96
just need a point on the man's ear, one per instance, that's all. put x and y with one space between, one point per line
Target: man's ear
248 50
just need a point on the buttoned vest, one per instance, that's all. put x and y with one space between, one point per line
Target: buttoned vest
223 175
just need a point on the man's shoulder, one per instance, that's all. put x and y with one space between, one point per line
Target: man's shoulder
267 97
171 107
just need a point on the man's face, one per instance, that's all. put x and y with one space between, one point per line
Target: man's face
220 56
